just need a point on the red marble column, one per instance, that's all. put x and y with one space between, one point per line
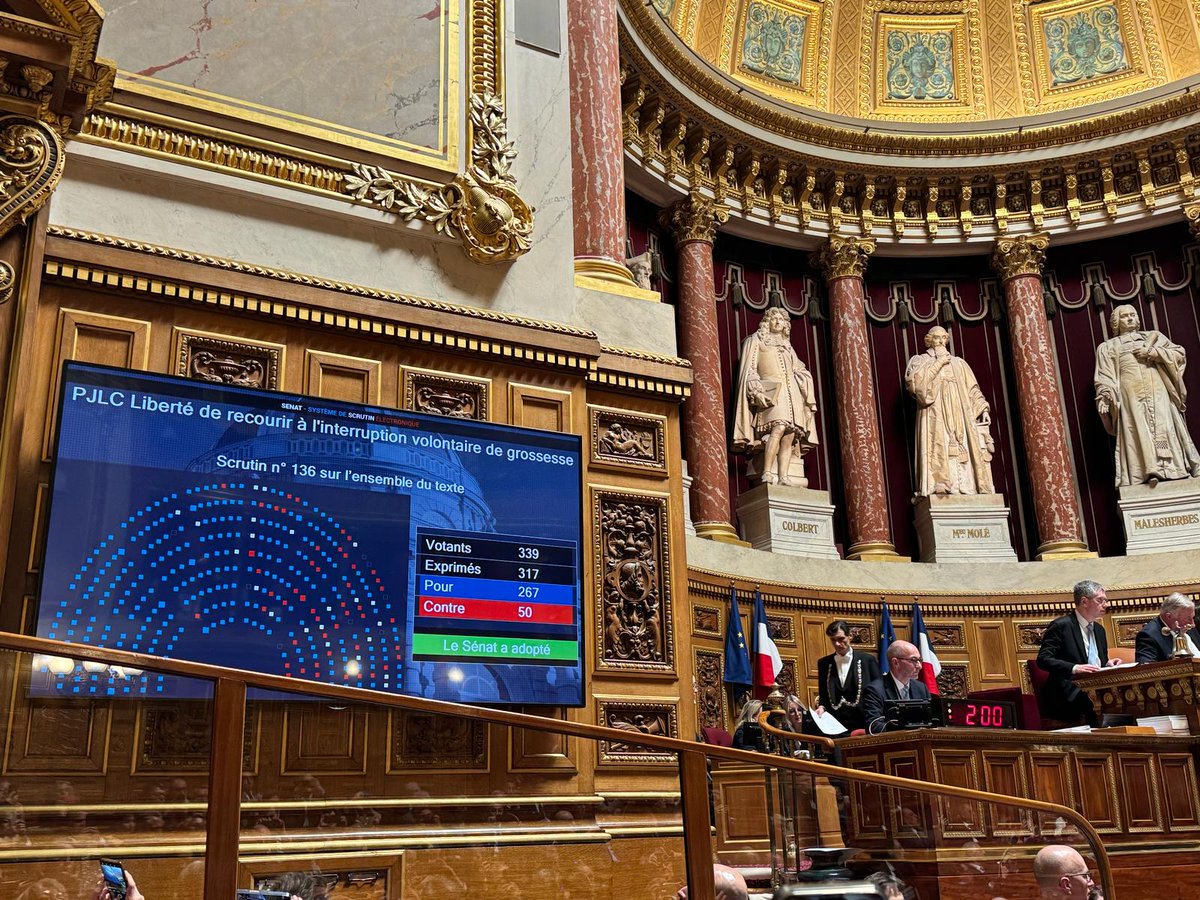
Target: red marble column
597 154
844 259
1019 261
694 223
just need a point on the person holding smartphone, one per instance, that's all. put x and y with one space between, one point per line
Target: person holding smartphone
116 883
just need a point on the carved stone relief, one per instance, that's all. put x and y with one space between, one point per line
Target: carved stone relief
641 718
623 439
710 666
953 680
631 555
425 741
207 357
446 395
706 620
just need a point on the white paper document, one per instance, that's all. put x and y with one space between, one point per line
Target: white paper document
828 723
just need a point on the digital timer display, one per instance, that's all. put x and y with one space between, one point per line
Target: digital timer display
980 714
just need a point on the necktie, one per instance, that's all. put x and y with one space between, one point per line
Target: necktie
904 692
1093 656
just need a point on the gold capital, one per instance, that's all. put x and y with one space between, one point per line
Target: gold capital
695 218
1024 254
844 257
1193 218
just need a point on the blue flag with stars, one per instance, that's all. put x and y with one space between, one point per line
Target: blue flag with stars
887 634
737 655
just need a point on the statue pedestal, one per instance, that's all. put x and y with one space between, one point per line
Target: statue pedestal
1161 518
784 519
963 528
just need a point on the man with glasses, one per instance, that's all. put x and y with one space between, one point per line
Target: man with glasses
1072 645
1155 644
1061 872
900 683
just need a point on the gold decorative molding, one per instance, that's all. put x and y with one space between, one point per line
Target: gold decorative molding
844 257
31 164
1024 254
695 218
220 359
1192 214
621 439
444 394
8 282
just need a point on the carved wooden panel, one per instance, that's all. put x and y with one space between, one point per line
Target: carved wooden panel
440 743
638 717
1180 796
954 680
786 679
868 811
1029 634
224 359
1141 793
1126 628
1098 799
370 876
622 439
991 653
1005 772
945 635
958 768
51 736
173 738
710 666
1053 781
632 562
862 634
907 809
337 377
441 394
93 337
706 621
322 739
540 407
782 628
541 751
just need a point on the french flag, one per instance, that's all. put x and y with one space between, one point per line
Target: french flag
931 667
767 664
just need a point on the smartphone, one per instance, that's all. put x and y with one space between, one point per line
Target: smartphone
114 878
255 894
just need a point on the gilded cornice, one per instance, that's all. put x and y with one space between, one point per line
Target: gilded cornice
1024 254
694 218
31 164
844 257
1192 214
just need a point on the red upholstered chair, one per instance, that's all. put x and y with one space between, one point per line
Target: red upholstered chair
1037 680
718 737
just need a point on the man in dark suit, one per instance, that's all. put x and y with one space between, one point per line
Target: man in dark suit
1073 645
901 683
842 676
1177 613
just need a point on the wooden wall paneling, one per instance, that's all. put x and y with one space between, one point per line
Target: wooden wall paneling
335 376
706 621
369 876
1007 772
645 715
227 359
910 813
1053 781
710 689
740 805
816 645
618 438
958 818
542 751
320 739
1141 792
869 804
93 337
37 543
1181 799
429 744
992 653
533 406
51 736
445 394
1098 795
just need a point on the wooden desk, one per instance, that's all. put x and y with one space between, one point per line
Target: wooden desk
1139 791
1152 689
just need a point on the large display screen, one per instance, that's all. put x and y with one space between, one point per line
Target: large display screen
311 539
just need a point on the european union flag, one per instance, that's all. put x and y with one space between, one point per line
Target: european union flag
737 656
887 634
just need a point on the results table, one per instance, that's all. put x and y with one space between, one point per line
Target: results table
495 597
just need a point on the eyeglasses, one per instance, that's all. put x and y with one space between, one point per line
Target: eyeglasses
915 660
1084 874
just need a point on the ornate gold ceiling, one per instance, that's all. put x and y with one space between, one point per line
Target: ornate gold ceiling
942 60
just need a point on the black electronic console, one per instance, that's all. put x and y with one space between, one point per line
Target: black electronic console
904 714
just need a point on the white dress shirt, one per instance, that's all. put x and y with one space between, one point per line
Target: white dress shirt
843 664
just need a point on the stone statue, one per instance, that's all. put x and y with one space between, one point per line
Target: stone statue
775 402
1140 396
640 267
954 445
